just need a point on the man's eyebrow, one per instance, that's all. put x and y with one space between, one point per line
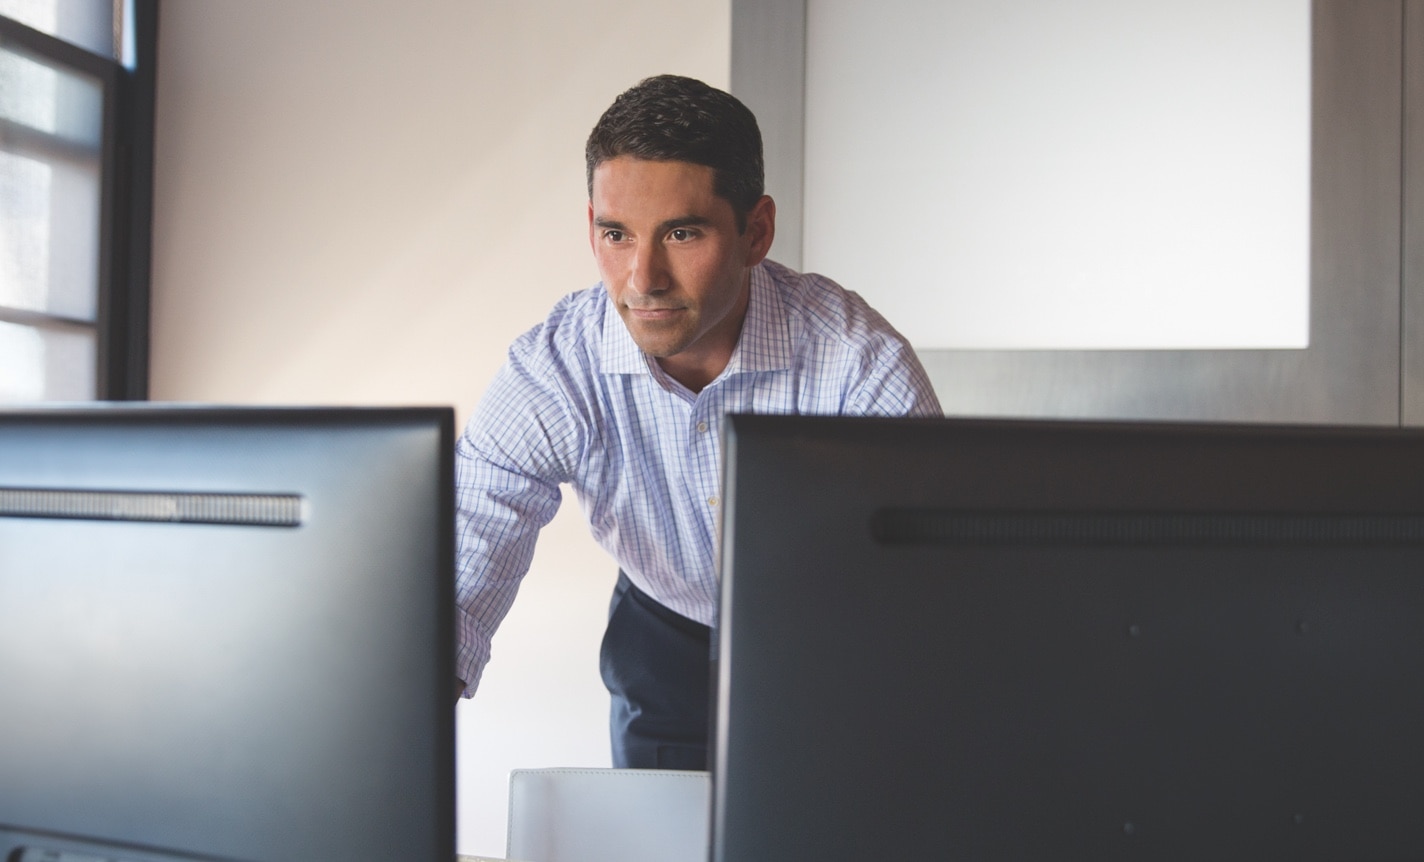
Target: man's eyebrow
670 224
684 221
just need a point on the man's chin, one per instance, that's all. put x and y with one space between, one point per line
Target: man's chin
657 342
660 349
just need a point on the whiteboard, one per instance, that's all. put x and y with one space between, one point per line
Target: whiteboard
1040 175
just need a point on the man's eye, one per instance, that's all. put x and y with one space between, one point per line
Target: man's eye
613 235
681 235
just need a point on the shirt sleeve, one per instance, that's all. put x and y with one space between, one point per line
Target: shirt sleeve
517 448
895 385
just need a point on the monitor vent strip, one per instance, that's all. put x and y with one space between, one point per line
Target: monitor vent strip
952 527
247 510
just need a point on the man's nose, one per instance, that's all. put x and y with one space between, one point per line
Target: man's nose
649 273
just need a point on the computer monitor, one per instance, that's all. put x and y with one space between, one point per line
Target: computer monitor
226 634
1001 640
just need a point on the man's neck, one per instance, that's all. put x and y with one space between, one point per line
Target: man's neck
699 365
693 374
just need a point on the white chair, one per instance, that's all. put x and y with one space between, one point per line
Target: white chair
609 815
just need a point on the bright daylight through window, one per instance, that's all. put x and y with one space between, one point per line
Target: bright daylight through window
64 229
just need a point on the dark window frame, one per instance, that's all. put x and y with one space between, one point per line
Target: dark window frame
126 198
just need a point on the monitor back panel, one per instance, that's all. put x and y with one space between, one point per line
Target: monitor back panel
226 634
1005 640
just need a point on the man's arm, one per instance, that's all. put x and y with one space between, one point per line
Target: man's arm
499 510
509 462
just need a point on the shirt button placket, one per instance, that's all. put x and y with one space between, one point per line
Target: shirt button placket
702 445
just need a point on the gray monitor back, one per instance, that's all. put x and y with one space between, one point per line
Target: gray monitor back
226 633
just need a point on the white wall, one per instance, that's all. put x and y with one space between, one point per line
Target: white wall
363 203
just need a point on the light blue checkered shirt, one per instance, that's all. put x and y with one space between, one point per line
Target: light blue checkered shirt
577 402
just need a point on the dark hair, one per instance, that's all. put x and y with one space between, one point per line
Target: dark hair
672 118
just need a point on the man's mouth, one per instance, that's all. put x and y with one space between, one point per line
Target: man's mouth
657 312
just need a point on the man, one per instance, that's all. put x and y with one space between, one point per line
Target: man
621 391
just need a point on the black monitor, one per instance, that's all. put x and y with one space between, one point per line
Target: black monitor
1014 640
226 634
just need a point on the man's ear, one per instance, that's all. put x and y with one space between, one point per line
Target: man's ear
761 229
591 243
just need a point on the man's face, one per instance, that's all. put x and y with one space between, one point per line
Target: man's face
673 261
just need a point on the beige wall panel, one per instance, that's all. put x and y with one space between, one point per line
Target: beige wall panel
364 203
1413 233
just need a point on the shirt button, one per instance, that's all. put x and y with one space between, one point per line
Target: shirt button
712 501
702 427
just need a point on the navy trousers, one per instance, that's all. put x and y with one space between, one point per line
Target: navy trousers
657 667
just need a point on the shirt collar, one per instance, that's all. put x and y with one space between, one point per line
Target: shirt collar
764 345
620 354
765 342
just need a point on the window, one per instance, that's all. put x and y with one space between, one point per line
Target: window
76 131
